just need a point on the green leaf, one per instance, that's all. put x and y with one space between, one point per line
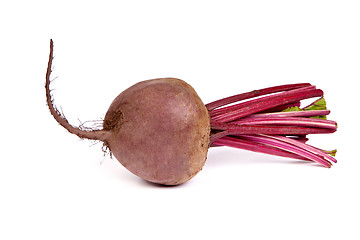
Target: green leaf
319 104
292 109
332 152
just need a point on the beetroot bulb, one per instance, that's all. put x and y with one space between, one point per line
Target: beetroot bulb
160 130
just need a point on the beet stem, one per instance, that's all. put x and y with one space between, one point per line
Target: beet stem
255 147
239 97
294 121
280 95
305 146
268 102
260 125
307 113
233 128
285 145
101 135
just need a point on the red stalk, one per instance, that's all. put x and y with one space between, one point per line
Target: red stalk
255 147
259 105
292 121
305 147
233 128
239 97
282 107
258 125
308 113
257 100
286 146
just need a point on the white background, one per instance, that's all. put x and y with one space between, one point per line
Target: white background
55 186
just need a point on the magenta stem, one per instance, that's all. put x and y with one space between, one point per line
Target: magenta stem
239 97
307 113
259 125
305 146
282 107
262 104
231 108
255 147
294 121
286 146
256 129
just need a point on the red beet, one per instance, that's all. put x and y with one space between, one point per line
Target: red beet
160 130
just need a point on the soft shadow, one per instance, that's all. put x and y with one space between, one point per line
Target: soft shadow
143 182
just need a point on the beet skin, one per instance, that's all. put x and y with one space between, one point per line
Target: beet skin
160 130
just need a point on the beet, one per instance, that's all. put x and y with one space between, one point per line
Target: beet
158 129
161 131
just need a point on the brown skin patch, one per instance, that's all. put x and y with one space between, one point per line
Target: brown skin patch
162 133
113 120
